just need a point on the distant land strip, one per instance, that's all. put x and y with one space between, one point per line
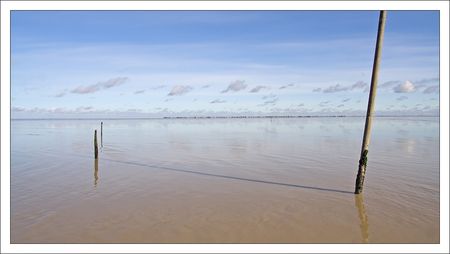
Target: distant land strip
217 117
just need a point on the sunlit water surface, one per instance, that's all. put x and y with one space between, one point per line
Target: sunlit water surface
224 181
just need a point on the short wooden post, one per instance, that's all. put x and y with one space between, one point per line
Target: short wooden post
101 134
95 145
373 90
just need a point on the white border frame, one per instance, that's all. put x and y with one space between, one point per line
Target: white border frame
442 6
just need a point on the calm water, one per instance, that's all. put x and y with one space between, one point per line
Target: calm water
224 181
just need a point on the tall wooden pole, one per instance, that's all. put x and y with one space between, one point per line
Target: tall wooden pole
373 91
95 145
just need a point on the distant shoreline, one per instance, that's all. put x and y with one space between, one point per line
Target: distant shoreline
216 117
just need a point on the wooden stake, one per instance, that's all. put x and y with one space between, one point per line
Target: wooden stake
95 145
373 90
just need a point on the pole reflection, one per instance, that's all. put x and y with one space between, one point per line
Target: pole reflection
363 220
101 134
95 172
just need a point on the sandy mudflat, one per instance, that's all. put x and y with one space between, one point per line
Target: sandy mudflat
224 181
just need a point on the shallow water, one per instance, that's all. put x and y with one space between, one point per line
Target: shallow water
224 181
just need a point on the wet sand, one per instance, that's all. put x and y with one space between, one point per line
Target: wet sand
224 181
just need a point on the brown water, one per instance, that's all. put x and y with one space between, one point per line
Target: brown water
224 181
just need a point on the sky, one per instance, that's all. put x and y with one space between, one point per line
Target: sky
99 64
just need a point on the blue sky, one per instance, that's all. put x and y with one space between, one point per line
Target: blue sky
185 63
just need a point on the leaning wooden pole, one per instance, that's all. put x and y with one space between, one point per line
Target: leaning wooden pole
95 145
373 91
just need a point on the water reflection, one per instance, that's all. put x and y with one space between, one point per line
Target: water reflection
407 144
95 172
101 134
363 220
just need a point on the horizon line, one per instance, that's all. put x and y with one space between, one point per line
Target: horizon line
212 117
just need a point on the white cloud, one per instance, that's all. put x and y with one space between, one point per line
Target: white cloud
83 109
179 90
269 96
335 88
113 82
157 87
389 84
134 110
218 101
86 89
236 86
286 86
340 88
269 102
323 103
100 85
432 89
59 95
427 81
359 84
18 109
406 87
257 89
